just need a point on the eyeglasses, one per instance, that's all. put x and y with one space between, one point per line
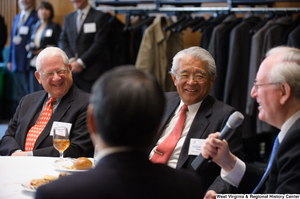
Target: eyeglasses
256 85
50 75
196 78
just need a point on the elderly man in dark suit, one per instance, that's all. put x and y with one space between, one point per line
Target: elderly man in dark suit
276 89
125 110
20 34
193 73
84 39
69 108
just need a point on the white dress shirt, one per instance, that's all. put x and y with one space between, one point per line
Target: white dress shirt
235 176
190 115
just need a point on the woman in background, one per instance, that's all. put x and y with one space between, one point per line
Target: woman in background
44 33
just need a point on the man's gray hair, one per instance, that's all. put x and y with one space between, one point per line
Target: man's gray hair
51 52
287 69
197 53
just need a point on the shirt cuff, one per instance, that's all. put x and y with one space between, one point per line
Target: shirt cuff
235 176
29 153
81 63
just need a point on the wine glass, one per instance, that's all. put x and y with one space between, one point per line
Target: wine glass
61 141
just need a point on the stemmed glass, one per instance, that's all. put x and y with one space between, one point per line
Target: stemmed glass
61 141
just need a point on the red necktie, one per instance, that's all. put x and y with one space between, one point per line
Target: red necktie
164 150
37 129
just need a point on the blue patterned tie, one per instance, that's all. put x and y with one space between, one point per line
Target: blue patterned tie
275 147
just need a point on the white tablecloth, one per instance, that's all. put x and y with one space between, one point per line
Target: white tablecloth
17 170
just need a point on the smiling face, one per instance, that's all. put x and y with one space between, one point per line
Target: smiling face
57 86
44 14
190 91
268 96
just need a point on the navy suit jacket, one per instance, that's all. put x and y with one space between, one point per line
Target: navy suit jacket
71 109
125 175
284 174
210 118
18 53
91 47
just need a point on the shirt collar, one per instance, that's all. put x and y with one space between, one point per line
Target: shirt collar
191 108
85 11
26 13
109 150
57 99
287 125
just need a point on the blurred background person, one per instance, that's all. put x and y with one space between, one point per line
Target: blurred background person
84 38
3 36
20 35
44 33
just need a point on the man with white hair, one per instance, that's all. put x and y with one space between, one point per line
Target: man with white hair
67 103
277 91
194 73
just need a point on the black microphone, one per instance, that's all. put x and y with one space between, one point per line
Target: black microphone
234 120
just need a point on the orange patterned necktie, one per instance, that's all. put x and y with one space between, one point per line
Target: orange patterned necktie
38 128
165 149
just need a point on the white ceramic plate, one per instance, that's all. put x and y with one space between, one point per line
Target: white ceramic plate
63 167
26 187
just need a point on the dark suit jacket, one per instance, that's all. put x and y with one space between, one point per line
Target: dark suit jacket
71 109
125 175
210 118
18 53
283 176
46 40
91 47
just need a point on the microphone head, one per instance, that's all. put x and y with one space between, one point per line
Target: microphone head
235 120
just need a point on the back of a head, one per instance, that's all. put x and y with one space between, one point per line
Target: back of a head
128 106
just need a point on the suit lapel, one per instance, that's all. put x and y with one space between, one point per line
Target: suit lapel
60 111
197 129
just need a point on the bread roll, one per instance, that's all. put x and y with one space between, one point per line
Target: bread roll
83 163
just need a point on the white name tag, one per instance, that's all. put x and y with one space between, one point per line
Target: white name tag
64 124
48 33
23 30
89 28
195 146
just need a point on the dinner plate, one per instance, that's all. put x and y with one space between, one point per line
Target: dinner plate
63 167
26 187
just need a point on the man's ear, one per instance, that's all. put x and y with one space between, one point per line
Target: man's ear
285 92
38 77
174 79
90 120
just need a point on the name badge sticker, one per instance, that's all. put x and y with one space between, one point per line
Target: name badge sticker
48 33
64 124
195 146
89 28
23 30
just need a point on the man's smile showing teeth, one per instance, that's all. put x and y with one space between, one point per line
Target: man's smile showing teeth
58 85
190 90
